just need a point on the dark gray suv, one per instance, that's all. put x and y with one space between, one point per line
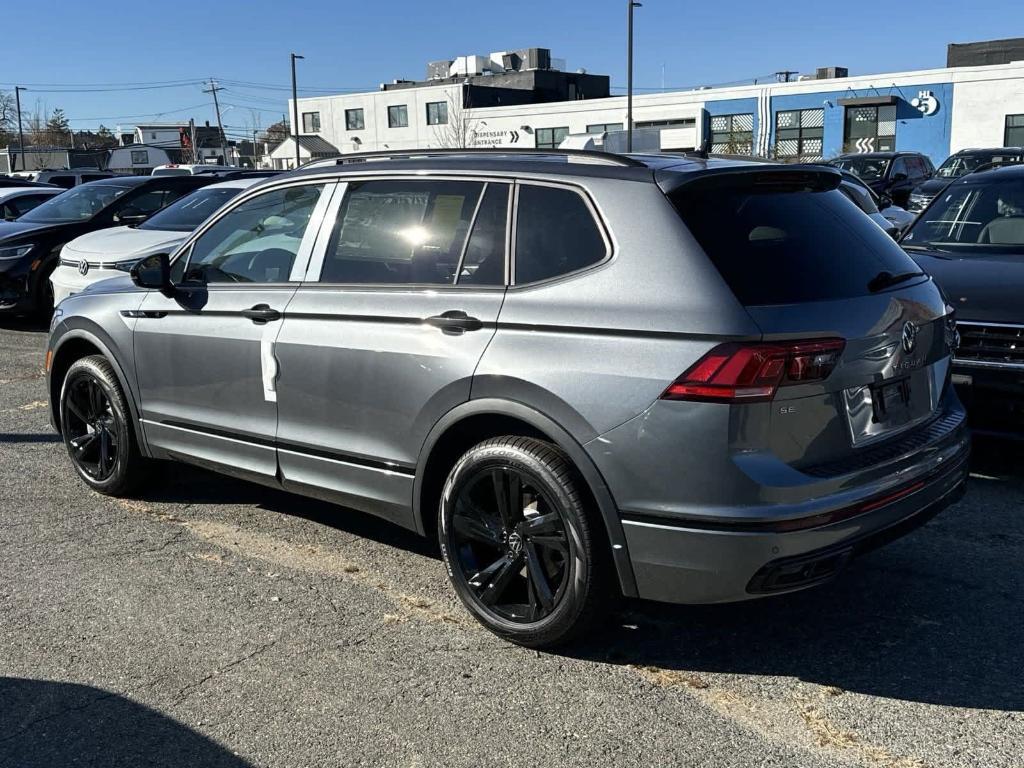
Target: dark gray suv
589 375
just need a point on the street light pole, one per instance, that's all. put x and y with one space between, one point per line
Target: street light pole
295 109
21 135
629 74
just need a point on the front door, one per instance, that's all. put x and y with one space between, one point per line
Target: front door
384 337
202 354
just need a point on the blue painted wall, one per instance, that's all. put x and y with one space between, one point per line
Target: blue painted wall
914 131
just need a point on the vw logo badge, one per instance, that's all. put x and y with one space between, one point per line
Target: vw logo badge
83 267
909 337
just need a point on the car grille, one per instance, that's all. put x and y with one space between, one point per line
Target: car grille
991 344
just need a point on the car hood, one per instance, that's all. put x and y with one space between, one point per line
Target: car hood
117 243
18 230
982 288
111 285
931 187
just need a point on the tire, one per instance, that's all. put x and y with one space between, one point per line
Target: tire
534 572
96 425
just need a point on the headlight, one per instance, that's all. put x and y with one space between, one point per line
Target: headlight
125 266
15 251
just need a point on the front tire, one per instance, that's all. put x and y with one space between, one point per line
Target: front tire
519 543
96 425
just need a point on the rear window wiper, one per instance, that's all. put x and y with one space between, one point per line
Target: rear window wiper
884 280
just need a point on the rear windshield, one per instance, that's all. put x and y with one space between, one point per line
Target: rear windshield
777 247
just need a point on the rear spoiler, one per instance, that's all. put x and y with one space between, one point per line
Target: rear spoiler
760 178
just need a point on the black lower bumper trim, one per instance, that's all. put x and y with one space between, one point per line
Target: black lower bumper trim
822 565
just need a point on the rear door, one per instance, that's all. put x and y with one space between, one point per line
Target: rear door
807 266
383 337
202 354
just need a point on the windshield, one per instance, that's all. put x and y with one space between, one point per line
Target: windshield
78 204
958 165
867 168
189 212
973 219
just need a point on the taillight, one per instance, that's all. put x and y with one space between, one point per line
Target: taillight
745 373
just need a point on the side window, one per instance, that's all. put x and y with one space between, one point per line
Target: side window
257 241
63 181
408 232
86 177
899 165
555 234
484 262
148 202
24 204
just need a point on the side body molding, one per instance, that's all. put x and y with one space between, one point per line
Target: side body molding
595 482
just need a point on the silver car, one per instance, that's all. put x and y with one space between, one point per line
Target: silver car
588 375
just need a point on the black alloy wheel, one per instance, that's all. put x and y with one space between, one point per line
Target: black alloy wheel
95 422
91 428
510 543
519 545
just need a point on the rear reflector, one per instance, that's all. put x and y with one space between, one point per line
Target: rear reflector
745 373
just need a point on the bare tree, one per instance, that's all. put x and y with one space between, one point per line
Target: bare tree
458 131
8 118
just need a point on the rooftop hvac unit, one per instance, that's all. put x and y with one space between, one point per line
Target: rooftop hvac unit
831 73
438 70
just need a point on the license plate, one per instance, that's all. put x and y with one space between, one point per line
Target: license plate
963 379
889 402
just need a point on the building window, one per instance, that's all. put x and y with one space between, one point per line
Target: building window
437 113
354 120
398 116
798 134
604 127
311 122
1014 135
673 122
550 138
140 157
870 129
732 134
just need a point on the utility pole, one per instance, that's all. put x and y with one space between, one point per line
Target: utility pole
21 135
254 155
192 137
629 74
220 128
295 109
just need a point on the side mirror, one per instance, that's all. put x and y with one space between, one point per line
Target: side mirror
153 272
130 216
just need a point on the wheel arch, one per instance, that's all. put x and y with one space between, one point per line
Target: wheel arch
475 421
73 345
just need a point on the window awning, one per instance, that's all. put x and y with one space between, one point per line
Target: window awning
869 101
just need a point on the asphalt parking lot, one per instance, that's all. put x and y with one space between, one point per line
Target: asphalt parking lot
212 622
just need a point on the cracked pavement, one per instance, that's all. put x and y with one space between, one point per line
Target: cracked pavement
213 622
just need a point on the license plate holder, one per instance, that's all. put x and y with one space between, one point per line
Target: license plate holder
890 402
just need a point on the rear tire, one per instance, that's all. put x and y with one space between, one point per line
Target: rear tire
97 428
521 548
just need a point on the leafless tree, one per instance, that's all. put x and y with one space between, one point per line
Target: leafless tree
8 118
456 133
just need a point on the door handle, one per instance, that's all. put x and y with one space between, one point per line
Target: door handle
261 313
455 321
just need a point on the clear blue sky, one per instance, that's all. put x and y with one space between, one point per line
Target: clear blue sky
351 44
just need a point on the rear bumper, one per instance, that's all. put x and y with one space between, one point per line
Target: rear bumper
712 564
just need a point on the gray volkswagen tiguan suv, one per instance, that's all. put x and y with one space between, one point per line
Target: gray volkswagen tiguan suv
588 375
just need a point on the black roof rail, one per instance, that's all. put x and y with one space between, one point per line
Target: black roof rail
607 158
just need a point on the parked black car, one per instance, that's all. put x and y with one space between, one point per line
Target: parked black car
971 240
889 174
957 165
30 246
15 181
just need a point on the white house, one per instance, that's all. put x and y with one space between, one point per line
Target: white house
137 159
282 157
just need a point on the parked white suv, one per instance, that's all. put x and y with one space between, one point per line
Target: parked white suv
178 169
112 252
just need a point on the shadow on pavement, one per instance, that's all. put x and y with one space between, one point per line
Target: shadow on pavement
29 437
936 617
44 724
185 484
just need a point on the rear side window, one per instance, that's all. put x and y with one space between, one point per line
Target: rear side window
555 234
24 204
779 247
62 181
407 232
